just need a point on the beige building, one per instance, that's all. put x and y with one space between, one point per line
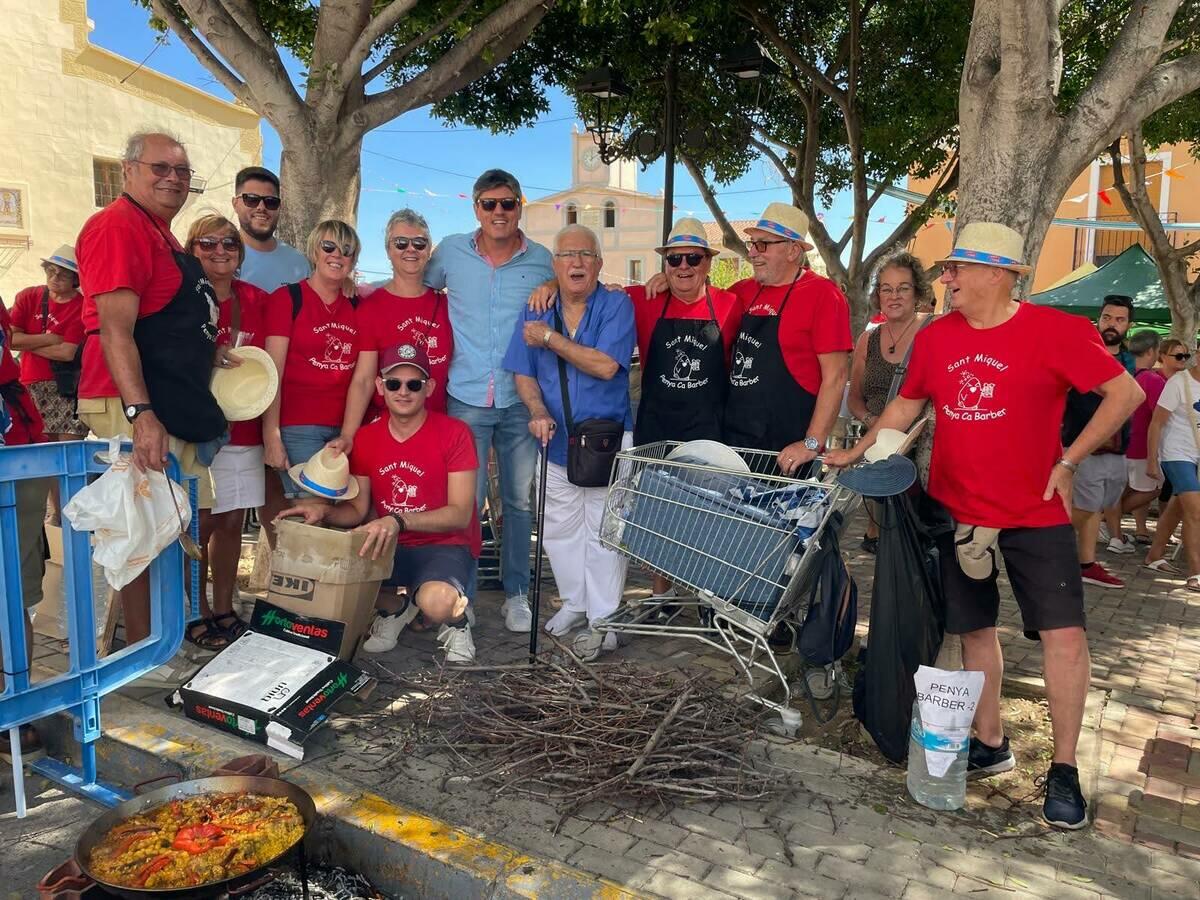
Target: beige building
66 109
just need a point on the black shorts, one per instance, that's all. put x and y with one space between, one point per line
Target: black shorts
414 566
1043 568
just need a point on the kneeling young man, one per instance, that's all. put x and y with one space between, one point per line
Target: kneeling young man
416 480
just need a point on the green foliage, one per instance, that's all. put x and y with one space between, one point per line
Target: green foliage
727 272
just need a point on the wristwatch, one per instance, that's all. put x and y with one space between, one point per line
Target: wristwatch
811 443
133 410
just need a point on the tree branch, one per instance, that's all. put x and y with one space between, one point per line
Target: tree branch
200 50
768 30
917 216
401 53
732 240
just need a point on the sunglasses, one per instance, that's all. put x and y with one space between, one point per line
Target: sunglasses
508 204
675 260
330 247
211 243
162 169
761 246
413 384
1180 357
402 243
252 201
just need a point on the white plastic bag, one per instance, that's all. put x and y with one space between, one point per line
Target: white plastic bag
947 702
131 514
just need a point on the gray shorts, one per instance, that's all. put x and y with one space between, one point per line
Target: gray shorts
1100 482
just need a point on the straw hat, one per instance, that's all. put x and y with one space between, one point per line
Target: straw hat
687 234
244 392
64 258
326 475
975 547
988 244
891 441
784 220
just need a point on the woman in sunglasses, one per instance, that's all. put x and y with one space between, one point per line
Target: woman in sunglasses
1173 359
238 475
314 341
403 311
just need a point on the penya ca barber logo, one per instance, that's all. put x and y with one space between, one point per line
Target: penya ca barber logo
969 378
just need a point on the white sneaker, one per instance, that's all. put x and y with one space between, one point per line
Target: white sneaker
457 643
385 630
1103 536
517 615
565 621
588 645
1122 544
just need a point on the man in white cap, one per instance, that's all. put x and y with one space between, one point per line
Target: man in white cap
791 359
997 372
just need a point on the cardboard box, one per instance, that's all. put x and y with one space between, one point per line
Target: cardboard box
317 575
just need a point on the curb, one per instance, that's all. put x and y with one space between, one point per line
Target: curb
400 850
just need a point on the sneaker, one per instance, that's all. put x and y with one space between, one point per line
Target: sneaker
588 645
517 615
1064 806
385 630
1122 544
565 621
1096 574
1104 536
457 643
983 760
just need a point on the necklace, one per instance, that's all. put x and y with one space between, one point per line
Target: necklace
896 340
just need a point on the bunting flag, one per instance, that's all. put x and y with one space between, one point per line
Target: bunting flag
949 223
1104 198
1173 173
1078 199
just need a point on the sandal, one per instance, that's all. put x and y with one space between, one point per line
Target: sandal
1143 540
210 638
1165 566
229 624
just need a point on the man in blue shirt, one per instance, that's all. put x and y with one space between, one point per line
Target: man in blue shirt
488 276
269 262
588 335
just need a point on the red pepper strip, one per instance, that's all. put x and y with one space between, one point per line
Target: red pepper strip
159 862
198 838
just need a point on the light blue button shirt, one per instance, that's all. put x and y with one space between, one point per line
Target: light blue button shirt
283 265
485 302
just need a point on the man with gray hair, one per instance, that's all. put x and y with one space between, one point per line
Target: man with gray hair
150 322
488 275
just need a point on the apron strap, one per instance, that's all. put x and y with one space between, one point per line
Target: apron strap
562 375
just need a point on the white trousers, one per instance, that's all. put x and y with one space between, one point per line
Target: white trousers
590 577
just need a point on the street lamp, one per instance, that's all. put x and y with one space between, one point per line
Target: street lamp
748 61
604 85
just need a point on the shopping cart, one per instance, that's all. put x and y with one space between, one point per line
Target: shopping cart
744 540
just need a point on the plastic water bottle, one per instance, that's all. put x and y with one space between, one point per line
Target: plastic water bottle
948 791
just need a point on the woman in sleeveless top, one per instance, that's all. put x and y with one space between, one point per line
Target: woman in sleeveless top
901 290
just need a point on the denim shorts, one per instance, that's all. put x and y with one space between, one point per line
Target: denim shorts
414 566
1182 475
302 443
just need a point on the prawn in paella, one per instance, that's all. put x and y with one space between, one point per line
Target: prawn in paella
197 840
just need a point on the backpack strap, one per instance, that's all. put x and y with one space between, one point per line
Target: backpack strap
45 310
297 299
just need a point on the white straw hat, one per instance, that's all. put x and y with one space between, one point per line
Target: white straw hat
244 392
64 258
784 220
988 244
326 475
686 234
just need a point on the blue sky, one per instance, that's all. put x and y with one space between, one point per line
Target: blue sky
419 154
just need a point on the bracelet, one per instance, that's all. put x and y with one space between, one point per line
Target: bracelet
546 338
400 522
1068 465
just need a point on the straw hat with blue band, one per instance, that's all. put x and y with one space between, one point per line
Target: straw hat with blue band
785 221
988 244
64 258
326 475
687 234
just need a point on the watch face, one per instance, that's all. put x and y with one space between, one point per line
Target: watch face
130 411
812 443
590 159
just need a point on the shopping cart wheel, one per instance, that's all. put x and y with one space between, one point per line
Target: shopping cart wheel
788 724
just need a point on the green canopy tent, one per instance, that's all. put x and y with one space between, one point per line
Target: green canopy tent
1133 273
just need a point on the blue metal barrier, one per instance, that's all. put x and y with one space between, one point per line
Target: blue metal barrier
88 678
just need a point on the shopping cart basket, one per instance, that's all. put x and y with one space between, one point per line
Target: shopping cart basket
743 541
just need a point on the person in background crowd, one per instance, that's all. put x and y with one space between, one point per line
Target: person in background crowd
1173 357
1000 469
587 336
1173 450
1102 476
902 289
313 338
415 471
269 263
47 329
791 358
488 276
1140 488
238 474
150 319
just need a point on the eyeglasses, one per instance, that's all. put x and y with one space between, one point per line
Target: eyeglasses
252 200
675 260
413 384
952 269
508 204
581 255
1180 357
330 247
899 289
761 246
53 271
211 243
162 169
402 243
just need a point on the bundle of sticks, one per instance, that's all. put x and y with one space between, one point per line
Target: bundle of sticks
571 733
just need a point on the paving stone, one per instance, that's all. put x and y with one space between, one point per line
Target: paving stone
669 859
669 885
863 876
721 853
614 868
706 825
920 869
741 884
607 839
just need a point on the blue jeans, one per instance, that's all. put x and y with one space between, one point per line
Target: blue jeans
302 443
507 430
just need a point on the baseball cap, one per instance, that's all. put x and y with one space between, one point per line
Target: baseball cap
404 355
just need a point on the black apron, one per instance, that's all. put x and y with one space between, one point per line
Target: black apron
766 408
177 345
683 380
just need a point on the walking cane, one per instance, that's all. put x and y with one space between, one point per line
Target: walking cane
537 555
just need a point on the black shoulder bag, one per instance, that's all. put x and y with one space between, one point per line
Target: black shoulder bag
66 374
593 444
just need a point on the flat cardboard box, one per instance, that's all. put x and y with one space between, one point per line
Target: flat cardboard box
317 574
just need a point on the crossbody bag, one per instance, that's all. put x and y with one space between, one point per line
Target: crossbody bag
593 444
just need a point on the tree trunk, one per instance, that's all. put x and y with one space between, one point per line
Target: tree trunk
317 182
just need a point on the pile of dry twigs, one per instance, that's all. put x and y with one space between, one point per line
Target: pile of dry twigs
572 733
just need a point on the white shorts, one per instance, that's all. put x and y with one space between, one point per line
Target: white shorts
239 479
1138 479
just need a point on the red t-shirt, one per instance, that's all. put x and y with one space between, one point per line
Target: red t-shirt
321 356
120 248
647 310
65 321
27 425
412 475
253 325
999 395
816 320
386 320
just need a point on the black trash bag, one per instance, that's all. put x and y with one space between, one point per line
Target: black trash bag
908 617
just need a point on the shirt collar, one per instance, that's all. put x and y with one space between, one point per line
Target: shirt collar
475 245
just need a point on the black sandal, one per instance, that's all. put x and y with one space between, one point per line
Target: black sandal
229 624
211 638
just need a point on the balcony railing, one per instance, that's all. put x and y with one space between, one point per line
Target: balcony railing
1098 246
